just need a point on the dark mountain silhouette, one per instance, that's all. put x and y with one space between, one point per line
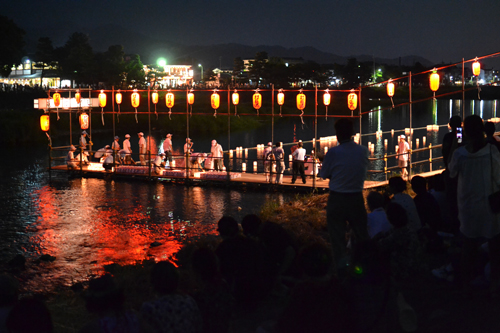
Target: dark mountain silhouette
210 56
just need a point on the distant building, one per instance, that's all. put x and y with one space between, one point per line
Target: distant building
172 75
33 74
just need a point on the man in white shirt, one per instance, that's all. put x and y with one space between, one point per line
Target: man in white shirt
403 150
83 140
128 150
279 157
70 158
268 158
159 163
167 148
142 148
298 163
216 150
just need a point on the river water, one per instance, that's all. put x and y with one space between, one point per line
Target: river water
87 223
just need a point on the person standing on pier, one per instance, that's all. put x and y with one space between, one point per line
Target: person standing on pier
346 166
83 140
128 150
115 146
167 149
142 148
217 155
298 163
403 151
279 157
268 165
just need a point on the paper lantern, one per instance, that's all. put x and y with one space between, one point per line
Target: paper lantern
236 98
476 68
434 81
78 97
169 100
154 97
84 121
390 89
45 122
352 101
119 98
102 99
257 100
326 98
57 99
301 101
190 98
136 99
215 100
281 98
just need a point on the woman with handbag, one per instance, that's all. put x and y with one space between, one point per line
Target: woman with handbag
477 167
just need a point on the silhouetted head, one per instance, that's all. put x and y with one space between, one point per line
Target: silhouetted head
103 295
228 227
397 184
251 224
374 200
164 278
474 127
489 128
396 215
455 122
418 184
344 129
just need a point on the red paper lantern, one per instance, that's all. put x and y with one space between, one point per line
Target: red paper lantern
281 98
169 100
236 98
326 98
476 68
84 121
78 97
390 89
119 98
215 100
57 99
45 122
352 101
190 98
102 99
136 99
301 101
257 100
154 97
434 81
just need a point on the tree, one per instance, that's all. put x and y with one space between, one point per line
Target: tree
76 58
12 42
44 53
110 65
257 67
134 69
238 67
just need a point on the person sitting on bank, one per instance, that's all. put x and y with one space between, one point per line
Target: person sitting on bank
71 161
159 163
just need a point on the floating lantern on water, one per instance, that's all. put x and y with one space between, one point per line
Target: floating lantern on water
257 100
215 102
352 100
84 121
45 122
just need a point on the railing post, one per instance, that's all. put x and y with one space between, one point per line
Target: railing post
430 156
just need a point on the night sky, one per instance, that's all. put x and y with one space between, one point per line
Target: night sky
435 29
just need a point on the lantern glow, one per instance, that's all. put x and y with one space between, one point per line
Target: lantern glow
215 100
390 89
119 98
281 98
78 97
102 99
434 81
84 121
135 99
236 98
190 98
476 68
301 101
326 98
257 100
169 100
352 101
45 122
57 99
154 97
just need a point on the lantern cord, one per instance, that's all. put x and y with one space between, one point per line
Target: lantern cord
48 136
102 116
136 121
478 89
215 113
170 114
280 112
118 115
301 118
191 111
156 113
236 111
392 102
326 113
57 113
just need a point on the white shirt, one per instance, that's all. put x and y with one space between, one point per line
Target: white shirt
474 186
216 150
377 222
115 145
299 154
167 145
142 145
158 160
126 146
83 142
403 148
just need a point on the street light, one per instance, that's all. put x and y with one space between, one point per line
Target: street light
200 65
161 62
